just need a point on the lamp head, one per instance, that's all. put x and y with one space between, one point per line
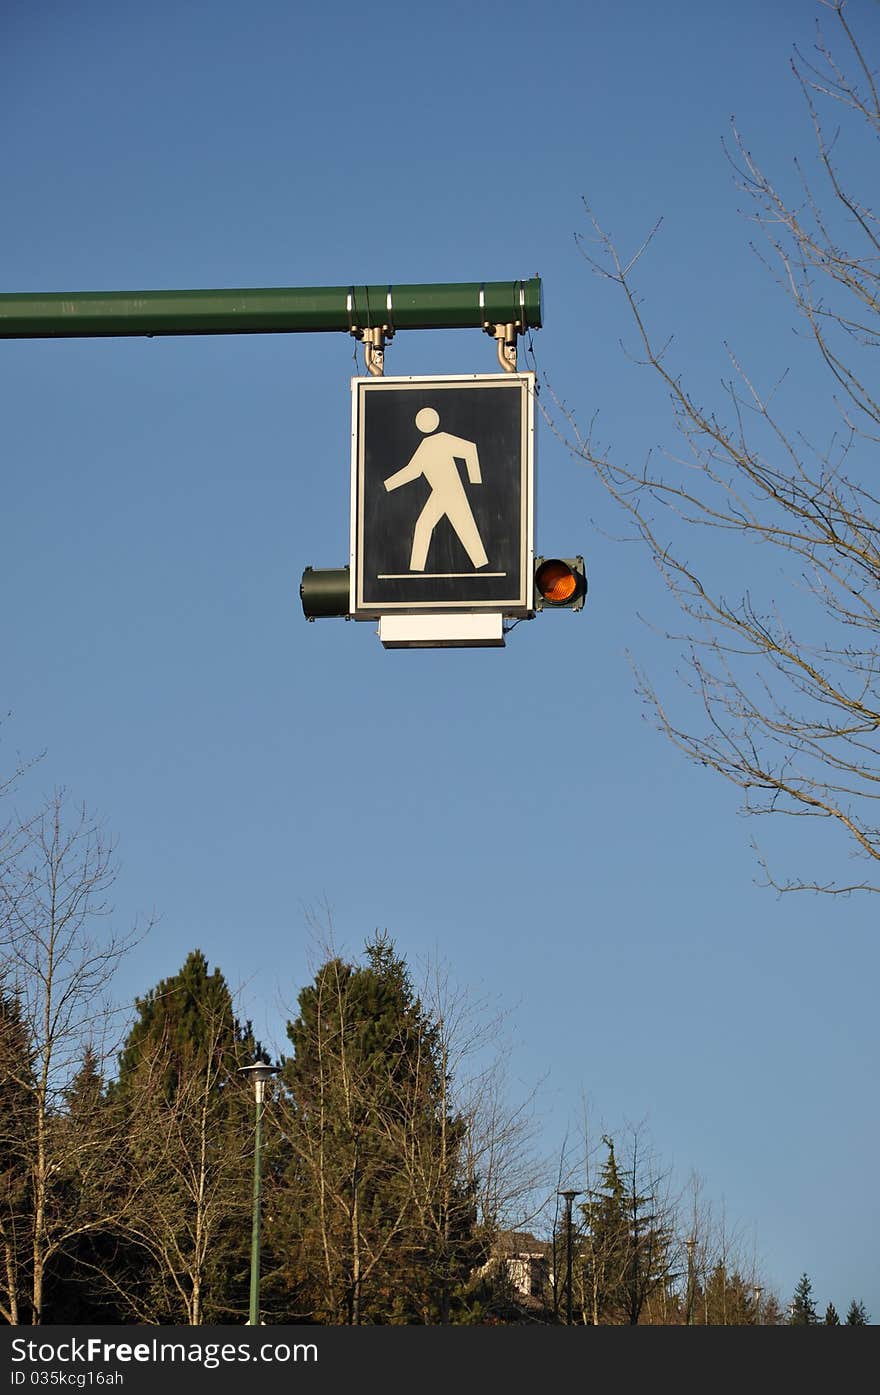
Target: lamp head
259 1072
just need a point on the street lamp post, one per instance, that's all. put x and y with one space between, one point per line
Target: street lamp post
569 1197
259 1073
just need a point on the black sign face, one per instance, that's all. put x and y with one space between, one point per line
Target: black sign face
442 494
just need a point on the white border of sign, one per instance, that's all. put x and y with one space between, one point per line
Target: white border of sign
523 604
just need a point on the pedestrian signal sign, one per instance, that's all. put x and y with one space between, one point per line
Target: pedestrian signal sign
442 495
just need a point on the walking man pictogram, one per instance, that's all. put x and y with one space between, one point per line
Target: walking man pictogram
435 459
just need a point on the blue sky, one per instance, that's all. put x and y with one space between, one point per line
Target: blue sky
509 810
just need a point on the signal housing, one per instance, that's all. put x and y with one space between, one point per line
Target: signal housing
325 592
560 583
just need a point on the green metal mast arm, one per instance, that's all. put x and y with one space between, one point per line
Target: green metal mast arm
285 310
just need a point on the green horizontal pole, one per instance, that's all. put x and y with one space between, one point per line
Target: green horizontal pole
284 310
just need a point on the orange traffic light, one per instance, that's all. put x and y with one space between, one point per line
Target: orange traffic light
560 583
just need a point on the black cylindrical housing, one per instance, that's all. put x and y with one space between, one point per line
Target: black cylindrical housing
325 592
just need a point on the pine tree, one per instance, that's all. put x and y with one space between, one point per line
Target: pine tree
803 1309
832 1318
190 1147
181 1020
856 1315
626 1253
772 1314
728 1299
375 1214
607 1244
17 1125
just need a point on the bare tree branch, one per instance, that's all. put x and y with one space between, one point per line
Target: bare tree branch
781 696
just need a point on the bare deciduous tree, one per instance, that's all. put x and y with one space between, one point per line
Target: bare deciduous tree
786 685
53 891
720 1280
477 1174
186 1169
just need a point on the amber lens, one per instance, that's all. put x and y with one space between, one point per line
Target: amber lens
556 582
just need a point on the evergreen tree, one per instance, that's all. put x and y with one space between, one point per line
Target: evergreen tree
803 1309
626 1254
856 1315
728 1299
181 1021
17 1125
76 1287
607 1245
190 1149
832 1318
375 1218
772 1314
